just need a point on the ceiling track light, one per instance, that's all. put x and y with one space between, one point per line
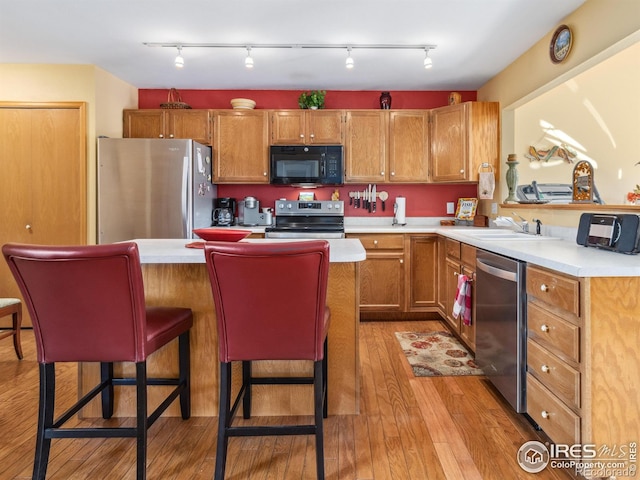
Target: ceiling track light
179 61
248 61
428 63
349 61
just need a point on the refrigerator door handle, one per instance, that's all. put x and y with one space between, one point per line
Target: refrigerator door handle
186 193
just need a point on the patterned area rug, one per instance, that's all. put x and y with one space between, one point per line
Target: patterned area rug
437 354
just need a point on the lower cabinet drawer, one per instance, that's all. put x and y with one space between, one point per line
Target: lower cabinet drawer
555 418
553 373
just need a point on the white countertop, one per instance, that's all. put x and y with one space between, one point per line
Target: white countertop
174 250
561 253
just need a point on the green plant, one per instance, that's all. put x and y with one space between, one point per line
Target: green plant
314 98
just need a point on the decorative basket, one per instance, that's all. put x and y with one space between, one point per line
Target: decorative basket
174 100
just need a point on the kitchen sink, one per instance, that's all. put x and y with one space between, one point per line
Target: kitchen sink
506 235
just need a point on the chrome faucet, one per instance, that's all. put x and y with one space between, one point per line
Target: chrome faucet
538 225
524 225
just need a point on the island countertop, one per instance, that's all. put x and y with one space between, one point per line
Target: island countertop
164 251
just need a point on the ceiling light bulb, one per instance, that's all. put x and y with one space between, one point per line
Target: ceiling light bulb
349 61
428 63
179 61
248 61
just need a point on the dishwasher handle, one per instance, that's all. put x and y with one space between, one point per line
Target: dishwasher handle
497 272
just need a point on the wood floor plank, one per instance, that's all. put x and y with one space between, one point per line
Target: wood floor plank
409 428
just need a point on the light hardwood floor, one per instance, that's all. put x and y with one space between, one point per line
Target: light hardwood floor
408 429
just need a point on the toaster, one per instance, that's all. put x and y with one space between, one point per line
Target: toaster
618 233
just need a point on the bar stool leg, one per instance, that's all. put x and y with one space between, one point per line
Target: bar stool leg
17 325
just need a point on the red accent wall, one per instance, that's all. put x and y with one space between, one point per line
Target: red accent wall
148 98
422 200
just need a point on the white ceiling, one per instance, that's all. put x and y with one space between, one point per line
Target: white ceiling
475 40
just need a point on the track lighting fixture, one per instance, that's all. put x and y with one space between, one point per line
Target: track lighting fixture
248 61
349 61
179 61
428 63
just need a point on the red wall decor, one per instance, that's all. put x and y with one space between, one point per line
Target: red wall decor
281 99
429 200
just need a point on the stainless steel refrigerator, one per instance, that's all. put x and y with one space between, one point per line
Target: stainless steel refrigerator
153 188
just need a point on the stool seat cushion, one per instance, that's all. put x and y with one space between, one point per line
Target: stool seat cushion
166 323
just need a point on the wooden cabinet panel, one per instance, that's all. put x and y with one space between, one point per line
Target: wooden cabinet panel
554 333
408 146
452 248
382 281
241 146
366 146
381 241
464 137
555 289
556 419
307 127
562 379
167 123
422 273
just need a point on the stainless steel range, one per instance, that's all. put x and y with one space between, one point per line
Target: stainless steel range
301 219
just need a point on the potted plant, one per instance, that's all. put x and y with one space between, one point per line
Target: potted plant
313 99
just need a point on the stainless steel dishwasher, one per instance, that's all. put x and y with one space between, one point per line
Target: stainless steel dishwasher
501 327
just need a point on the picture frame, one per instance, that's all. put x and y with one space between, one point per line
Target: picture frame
561 43
466 209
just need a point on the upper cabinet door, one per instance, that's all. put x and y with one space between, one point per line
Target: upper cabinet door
449 143
194 124
366 146
241 146
409 146
143 124
464 137
325 127
307 127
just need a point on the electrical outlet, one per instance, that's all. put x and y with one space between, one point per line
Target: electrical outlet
450 208
494 208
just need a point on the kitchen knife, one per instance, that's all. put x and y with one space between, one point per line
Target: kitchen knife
374 199
369 198
357 205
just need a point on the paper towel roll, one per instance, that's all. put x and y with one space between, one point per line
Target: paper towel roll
399 210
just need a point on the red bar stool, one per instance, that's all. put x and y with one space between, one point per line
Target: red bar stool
257 322
13 307
87 305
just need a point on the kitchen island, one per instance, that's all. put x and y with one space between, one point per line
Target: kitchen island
177 276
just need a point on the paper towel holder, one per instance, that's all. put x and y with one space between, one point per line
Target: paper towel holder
399 212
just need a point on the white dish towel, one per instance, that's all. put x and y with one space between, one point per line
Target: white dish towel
486 185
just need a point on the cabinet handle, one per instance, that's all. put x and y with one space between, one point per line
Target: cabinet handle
28 227
393 173
545 414
302 135
402 260
375 242
382 173
161 136
545 368
544 328
171 135
312 136
264 174
462 172
544 288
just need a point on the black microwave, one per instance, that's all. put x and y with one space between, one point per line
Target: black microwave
306 165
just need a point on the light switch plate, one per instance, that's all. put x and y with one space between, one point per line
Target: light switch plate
494 208
451 208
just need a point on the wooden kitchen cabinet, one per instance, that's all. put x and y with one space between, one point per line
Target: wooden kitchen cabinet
421 281
464 137
307 127
455 258
408 146
554 329
382 276
168 123
241 146
366 146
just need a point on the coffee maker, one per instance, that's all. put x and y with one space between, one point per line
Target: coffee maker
224 211
249 211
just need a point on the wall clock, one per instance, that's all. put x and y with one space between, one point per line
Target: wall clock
560 44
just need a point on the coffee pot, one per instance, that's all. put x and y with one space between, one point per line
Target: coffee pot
224 211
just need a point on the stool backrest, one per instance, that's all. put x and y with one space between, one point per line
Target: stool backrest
86 302
270 298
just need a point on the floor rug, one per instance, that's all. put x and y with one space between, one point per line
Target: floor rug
437 354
